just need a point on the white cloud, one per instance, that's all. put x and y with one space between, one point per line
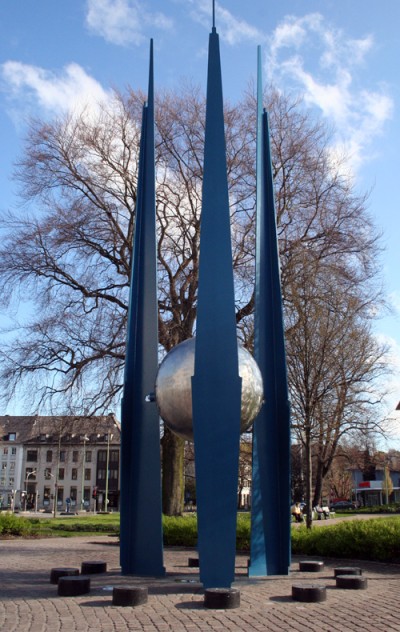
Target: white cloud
308 55
291 33
235 31
232 30
122 22
54 93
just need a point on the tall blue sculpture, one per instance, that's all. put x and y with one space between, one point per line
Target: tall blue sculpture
141 551
270 529
216 385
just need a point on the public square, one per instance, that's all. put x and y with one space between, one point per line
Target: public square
30 602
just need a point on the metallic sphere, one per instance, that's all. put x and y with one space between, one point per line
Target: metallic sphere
174 388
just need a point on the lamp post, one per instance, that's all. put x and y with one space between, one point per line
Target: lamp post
33 473
56 476
85 438
48 475
109 436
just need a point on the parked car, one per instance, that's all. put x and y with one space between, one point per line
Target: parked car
341 505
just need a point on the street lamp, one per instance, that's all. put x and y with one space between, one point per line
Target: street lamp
109 436
85 438
33 473
48 475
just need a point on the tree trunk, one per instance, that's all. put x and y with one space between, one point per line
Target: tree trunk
173 479
308 480
318 484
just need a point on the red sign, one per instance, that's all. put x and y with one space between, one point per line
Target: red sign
364 484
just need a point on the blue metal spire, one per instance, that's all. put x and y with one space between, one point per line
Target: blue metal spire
216 385
141 522
270 532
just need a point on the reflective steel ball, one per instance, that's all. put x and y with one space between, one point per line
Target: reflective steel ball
173 389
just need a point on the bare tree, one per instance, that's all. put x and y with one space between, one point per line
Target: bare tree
334 361
68 251
72 254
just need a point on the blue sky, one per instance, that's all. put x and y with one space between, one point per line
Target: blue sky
341 55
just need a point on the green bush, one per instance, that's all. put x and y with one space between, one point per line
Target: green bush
243 532
377 540
389 509
10 524
83 526
180 530
374 539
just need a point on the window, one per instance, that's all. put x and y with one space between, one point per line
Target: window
60 495
74 474
88 456
2 481
49 456
62 456
88 474
72 495
31 455
11 481
46 496
12 436
75 456
113 474
13 451
47 472
101 475
86 495
114 456
12 466
30 474
5 451
4 465
102 455
61 472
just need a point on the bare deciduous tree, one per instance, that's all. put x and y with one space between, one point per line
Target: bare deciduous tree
68 252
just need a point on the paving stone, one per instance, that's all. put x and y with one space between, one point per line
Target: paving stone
176 603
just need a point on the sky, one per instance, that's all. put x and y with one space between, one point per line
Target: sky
341 56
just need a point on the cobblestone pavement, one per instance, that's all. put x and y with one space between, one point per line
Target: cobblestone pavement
29 603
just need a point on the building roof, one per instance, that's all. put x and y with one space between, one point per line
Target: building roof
42 428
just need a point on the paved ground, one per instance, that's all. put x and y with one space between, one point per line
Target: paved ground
29 603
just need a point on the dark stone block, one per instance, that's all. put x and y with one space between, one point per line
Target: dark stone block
352 582
73 586
90 568
193 562
222 598
310 593
311 566
128 596
347 570
56 573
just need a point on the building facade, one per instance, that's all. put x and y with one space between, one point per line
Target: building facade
59 463
376 491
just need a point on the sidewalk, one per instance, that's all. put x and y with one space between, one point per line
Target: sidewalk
29 603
